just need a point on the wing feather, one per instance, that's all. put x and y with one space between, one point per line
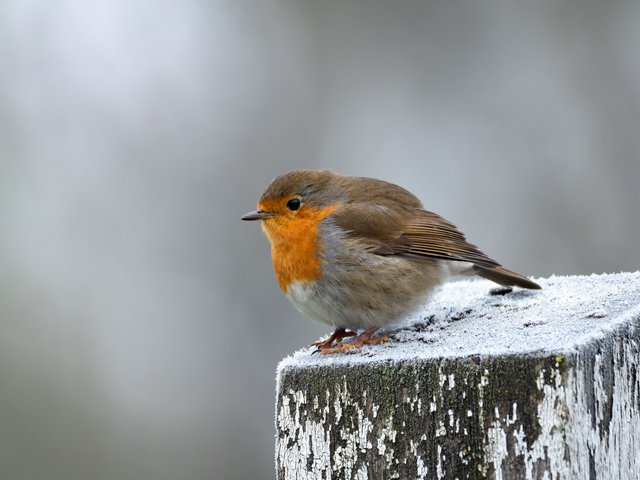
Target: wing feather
426 235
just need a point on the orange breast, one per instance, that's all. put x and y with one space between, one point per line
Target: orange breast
295 245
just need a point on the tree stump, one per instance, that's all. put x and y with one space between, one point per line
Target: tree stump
528 384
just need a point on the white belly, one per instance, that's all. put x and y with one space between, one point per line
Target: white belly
304 297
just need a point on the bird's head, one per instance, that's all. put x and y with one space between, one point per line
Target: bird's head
293 203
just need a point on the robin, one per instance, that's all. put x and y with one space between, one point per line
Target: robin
360 254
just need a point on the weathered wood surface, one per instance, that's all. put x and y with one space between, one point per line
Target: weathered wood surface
526 385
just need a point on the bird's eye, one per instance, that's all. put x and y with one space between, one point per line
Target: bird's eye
293 204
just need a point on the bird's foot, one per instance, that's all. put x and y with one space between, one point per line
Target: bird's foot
337 335
365 338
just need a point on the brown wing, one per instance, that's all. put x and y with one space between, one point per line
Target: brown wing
425 235
375 227
385 231
430 235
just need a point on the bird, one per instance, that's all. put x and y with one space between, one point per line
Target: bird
360 254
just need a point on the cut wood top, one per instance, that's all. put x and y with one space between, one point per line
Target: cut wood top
463 320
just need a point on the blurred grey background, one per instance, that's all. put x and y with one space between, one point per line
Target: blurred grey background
140 321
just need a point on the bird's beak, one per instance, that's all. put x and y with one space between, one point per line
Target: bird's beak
257 215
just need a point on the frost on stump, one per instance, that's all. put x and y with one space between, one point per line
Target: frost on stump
541 385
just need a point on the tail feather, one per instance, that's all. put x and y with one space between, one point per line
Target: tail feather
505 277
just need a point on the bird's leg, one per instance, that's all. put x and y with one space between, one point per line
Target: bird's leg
365 338
338 334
